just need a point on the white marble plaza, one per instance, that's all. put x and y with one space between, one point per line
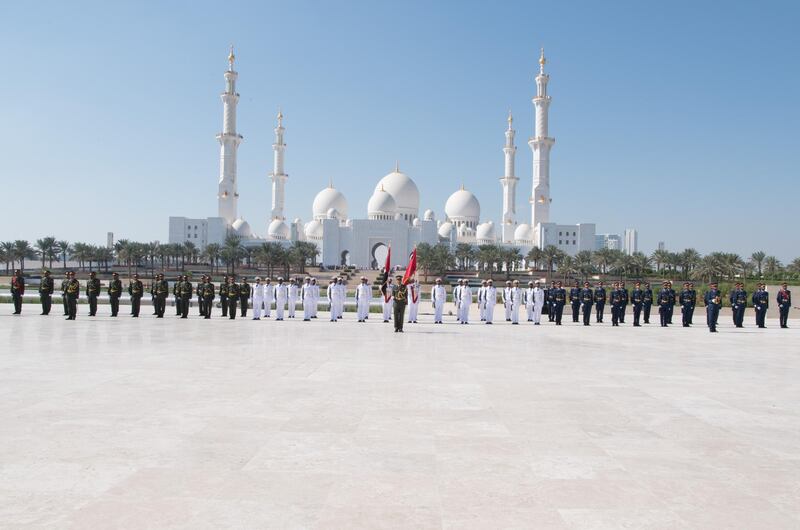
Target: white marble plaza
145 423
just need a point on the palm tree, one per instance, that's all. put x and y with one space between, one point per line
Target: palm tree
566 265
688 259
45 248
510 257
212 253
660 258
232 251
487 256
535 256
603 258
640 263
772 266
22 251
103 255
465 254
758 257
125 253
708 267
8 254
551 255
63 248
583 263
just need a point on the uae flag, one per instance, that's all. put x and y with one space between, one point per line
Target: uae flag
412 267
388 266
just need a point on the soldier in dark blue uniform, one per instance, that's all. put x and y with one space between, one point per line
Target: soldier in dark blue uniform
637 298
623 292
738 300
616 304
687 305
673 299
713 301
575 301
559 301
600 298
647 302
665 302
587 300
784 300
761 303
694 301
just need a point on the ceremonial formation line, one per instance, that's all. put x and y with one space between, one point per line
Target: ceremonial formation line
395 295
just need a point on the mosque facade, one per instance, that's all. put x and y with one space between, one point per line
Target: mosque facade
393 211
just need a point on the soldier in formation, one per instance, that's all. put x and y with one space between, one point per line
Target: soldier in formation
17 291
114 293
135 290
46 288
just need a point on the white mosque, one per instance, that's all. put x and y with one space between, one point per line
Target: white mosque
393 211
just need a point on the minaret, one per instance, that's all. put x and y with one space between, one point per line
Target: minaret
278 176
229 142
540 145
509 183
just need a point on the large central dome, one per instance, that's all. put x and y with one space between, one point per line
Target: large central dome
404 191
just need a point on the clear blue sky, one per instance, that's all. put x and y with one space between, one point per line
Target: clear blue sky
677 118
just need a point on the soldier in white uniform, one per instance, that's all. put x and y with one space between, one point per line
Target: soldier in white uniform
330 296
281 294
438 299
457 298
507 301
363 299
465 299
293 292
269 297
538 303
314 297
307 297
490 295
529 302
516 302
387 290
482 301
413 301
258 298
341 297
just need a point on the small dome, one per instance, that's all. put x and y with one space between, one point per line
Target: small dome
297 221
403 189
332 213
485 233
462 206
429 215
349 223
524 234
242 228
313 230
381 203
444 229
416 222
327 199
278 230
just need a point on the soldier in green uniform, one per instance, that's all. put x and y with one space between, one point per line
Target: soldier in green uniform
17 290
162 292
186 296
153 294
233 296
201 304
64 301
73 291
223 295
176 294
400 294
46 288
92 292
114 292
244 296
208 297
136 290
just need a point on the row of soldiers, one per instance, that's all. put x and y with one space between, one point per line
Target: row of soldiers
535 299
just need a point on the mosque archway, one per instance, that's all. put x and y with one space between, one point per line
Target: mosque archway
345 261
379 253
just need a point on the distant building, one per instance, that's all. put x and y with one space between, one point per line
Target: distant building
200 232
110 240
661 245
609 241
631 241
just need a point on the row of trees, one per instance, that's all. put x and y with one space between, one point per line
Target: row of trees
688 264
154 255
